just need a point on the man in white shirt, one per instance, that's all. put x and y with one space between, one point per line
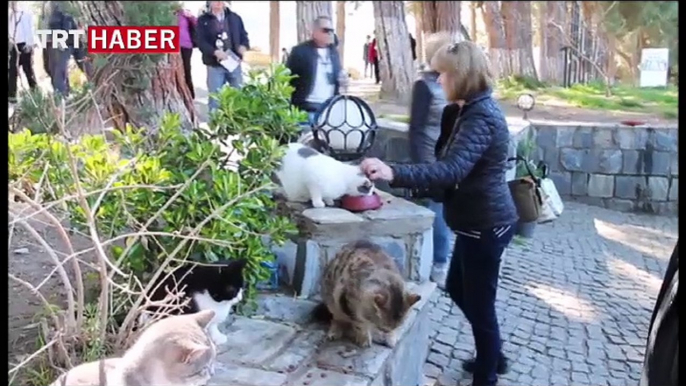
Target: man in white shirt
318 68
21 41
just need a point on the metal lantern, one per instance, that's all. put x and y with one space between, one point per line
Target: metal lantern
526 103
345 128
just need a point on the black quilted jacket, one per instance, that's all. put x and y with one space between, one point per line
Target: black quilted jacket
471 168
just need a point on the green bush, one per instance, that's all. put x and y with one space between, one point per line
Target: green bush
140 180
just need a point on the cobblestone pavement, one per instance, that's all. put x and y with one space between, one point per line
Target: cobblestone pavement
574 302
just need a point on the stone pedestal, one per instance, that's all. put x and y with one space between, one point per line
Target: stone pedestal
282 348
402 228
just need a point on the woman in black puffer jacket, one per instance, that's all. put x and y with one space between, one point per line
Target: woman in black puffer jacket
469 178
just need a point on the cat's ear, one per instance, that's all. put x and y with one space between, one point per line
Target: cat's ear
190 352
411 299
204 317
380 299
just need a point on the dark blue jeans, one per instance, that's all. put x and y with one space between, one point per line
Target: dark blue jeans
472 283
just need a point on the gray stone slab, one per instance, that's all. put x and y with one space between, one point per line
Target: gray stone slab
331 216
232 374
321 377
629 187
349 358
298 351
659 188
600 185
285 308
674 190
253 341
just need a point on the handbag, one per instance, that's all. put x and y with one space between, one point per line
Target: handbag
526 194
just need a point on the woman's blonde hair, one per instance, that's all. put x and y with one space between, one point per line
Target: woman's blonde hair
434 42
467 69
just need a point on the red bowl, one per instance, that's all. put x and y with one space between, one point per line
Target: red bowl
361 203
631 122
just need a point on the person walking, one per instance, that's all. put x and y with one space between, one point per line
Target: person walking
21 42
365 56
58 58
317 66
426 110
220 35
187 25
374 59
284 55
468 177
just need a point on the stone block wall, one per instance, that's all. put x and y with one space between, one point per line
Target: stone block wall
402 228
617 167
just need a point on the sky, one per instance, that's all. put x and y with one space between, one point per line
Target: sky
255 14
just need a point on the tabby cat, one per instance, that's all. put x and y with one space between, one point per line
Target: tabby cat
363 293
175 351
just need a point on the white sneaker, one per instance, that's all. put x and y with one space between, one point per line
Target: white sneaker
438 275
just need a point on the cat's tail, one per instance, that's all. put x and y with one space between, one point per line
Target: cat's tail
321 314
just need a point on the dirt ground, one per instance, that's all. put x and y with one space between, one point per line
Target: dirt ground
29 262
367 90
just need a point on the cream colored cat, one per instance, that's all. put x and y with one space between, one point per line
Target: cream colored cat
175 351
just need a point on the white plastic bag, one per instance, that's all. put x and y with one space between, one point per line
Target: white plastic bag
552 196
547 213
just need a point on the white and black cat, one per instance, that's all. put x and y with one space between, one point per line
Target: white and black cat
213 286
308 175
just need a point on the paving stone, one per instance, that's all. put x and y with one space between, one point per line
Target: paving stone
569 313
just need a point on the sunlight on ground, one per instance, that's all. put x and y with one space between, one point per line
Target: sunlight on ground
640 239
565 303
622 269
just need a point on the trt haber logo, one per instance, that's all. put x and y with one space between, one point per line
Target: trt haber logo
116 40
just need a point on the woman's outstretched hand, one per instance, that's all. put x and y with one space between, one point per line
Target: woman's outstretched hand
375 169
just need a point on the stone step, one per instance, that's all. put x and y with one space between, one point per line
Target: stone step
281 347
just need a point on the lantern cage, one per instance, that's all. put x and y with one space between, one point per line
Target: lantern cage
344 128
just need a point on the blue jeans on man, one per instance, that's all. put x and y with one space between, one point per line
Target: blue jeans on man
58 63
472 284
442 238
217 77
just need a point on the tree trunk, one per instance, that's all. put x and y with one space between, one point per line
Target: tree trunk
419 36
472 20
519 37
274 31
340 30
552 56
497 45
306 12
439 16
143 95
393 47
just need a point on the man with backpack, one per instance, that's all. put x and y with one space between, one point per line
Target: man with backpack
187 23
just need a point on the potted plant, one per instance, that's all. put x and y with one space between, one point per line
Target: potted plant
526 172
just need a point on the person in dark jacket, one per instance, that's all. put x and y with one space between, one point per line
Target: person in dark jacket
426 109
317 68
220 33
58 59
661 364
413 47
469 178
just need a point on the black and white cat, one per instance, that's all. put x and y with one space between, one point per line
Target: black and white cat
308 175
213 286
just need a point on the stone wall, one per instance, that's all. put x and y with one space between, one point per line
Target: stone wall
402 228
617 167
